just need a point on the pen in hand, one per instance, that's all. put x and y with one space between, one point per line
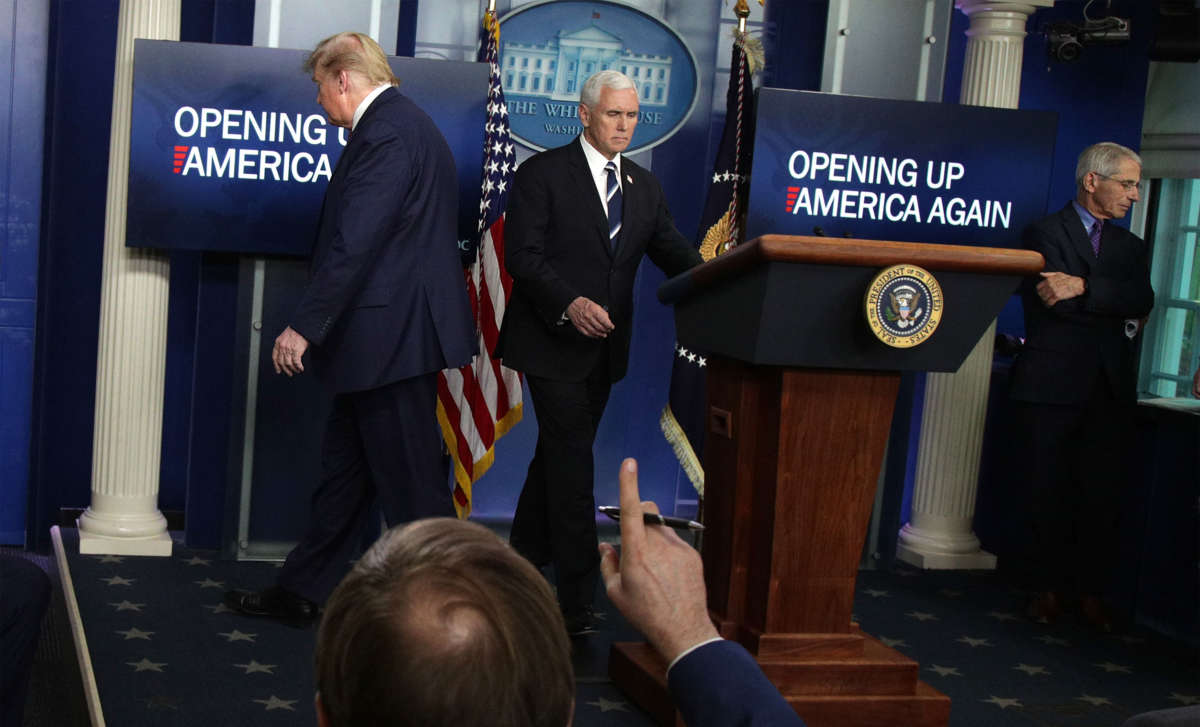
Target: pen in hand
653 518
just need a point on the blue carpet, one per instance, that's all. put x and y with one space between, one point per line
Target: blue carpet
165 651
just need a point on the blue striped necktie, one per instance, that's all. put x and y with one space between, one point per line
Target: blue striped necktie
614 204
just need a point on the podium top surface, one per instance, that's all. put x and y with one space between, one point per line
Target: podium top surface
850 252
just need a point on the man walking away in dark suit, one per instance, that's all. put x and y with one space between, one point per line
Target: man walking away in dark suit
1075 380
385 309
580 218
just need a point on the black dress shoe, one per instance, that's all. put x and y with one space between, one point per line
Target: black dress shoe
1096 614
1045 607
274 603
580 623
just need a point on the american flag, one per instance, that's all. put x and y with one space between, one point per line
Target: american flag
480 402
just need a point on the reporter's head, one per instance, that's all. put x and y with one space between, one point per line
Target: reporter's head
442 623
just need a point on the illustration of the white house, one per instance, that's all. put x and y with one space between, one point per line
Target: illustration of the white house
557 69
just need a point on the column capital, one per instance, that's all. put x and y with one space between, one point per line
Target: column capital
1026 7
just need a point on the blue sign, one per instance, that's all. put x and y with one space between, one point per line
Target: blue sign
850 166
548 49
229 149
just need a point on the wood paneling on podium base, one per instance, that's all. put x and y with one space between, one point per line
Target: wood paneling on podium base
791 461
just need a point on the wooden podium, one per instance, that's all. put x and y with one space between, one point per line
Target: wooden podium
800 399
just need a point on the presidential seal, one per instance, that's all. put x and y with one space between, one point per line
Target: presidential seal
903 305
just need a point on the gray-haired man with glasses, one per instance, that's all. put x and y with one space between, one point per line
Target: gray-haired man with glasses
1075 381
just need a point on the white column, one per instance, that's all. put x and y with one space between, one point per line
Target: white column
943 505
123 518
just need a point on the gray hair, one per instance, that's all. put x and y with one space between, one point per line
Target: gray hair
615 80
1103 159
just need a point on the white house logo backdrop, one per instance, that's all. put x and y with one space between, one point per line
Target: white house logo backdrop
551 48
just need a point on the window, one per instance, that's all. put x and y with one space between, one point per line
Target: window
524 63
1172 342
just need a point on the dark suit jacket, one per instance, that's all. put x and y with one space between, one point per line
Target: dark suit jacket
557 248
720 685
1070 346
387 298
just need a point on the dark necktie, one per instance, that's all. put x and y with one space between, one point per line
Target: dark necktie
1094 236
614 204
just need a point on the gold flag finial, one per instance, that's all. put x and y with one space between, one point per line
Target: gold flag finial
742 11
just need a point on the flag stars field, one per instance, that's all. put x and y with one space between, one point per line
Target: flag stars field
1111 668
274 702
255 668
127 606
119 581
1003 702
609 705
1032 670
135 633
147 665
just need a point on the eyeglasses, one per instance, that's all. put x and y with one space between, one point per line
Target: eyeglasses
1128 184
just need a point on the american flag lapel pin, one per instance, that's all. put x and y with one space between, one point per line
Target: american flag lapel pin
629 179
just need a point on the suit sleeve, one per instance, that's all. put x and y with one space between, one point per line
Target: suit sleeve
375 188
1126 295
527 226
720 685
668 249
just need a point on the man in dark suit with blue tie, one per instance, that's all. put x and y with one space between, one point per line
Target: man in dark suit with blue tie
580 218
385 309
1075 379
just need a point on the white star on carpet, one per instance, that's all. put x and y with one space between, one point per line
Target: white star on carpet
1095 701
1003 616
1004 703
147 665
255 668
209 583
277 703
236 635
606 705
1031 670
127 606
1110 667
921 616
876 593
112 559
197 560
119 581
219 608
973 642
1053 641
135 633
1185 699
893 643
945 671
